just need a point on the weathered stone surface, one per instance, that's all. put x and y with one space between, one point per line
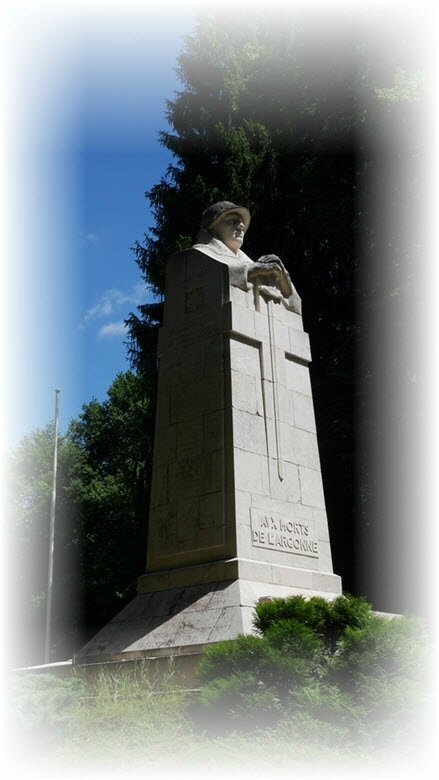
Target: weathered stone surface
235 425
184 618
237 504
311 487
303 412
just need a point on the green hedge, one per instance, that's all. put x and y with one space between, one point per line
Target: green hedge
330 670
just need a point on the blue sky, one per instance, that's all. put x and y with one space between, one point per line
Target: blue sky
114 215
91 93
86 92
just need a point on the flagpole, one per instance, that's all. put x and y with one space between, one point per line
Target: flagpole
52 536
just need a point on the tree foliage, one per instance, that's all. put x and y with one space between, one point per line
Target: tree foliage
307 138
268 119
28 499
111 487
103 480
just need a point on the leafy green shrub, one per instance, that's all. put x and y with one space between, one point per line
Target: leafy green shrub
337 665
267 657
326 619
238 701
382 647
231 656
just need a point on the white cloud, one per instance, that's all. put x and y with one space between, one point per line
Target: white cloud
102 308
91 237
113 300
112 329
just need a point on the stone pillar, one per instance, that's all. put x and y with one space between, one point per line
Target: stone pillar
237 506
236 475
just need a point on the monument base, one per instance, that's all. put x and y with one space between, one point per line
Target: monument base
174 614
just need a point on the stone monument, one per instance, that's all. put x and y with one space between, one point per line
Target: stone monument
237 506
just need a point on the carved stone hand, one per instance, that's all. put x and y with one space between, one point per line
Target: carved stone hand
269 270
270 259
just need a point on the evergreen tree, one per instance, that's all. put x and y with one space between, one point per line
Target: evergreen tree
269 121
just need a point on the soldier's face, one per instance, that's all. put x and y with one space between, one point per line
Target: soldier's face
231 231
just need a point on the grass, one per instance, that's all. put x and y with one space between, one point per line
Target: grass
127 719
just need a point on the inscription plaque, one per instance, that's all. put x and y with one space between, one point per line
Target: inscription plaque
278 532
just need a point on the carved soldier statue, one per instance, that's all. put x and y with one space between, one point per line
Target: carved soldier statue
237 507
222 231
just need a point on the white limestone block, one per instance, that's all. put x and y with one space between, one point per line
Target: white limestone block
303 412
244 357
239 296
249 432
297 377
300 447
244 393
242 321
288 488
248 469
321 524
325 557
299 344
281 335
311 488
262 332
